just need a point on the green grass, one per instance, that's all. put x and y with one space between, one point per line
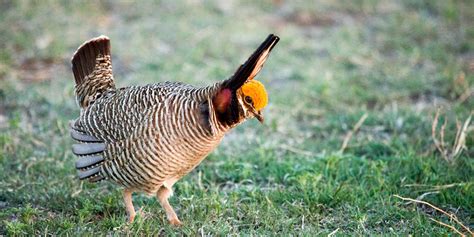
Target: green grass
397 61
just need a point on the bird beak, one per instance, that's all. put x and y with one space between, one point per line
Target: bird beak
259 116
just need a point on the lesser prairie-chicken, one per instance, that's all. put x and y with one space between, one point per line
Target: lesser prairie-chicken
145 138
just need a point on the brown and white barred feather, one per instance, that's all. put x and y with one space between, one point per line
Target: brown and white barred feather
141 137
148 136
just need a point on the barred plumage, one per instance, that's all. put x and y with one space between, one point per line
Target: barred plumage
145 138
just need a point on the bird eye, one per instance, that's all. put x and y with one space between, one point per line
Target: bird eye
248 99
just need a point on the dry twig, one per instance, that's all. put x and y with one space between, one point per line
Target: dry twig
426 194
465 95
450 215
435 187
349 135
459 141
449 226
333 233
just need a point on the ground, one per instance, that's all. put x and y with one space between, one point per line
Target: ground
393 62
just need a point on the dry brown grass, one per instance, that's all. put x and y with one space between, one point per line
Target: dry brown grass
451 216
452 152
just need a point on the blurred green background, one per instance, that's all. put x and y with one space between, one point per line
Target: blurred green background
395 61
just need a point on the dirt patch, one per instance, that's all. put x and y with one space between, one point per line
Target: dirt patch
36 70
307 18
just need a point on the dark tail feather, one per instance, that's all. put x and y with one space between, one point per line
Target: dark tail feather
252 66
84 59
92 69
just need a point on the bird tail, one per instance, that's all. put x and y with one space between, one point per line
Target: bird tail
92 69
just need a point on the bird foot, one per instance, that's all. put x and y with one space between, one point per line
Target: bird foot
131 217
175 222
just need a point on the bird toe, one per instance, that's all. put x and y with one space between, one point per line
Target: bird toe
176 222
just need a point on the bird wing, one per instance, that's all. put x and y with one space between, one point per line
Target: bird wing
113 128
94 152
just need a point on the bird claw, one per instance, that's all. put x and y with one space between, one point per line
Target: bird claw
176 222
131 217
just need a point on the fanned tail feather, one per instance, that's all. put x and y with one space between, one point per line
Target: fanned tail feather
92 69
84 59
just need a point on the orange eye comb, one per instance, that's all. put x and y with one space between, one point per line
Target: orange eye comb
257 92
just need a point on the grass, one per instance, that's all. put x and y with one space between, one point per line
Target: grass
396 61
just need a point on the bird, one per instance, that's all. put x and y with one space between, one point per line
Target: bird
146 138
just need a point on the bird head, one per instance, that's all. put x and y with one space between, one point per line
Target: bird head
242 97
253 98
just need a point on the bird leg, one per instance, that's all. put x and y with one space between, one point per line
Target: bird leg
127 199
163 194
